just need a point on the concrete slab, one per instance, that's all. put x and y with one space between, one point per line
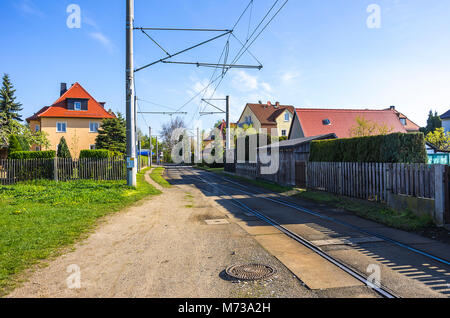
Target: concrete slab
437 249
217 222
258 228
401 236
315 271
347 241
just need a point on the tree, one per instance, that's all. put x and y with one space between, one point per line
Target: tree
433 122
14 145
9 108
63 149
112 135
27 137
167 131
439 138
364 127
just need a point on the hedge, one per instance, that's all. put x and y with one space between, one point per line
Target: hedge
97 154
50 154
393 148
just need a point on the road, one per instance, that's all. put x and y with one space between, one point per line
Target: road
400 269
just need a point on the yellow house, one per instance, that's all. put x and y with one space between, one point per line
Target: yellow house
76 116
268 116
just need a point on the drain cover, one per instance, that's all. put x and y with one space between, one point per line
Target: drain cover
250 271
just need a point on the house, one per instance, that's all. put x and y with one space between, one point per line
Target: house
222 128
75 115
445 117
309 122
268 116
409 125
437 156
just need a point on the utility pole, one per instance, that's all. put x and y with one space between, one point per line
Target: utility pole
130 105
157 153
199 146
227 110
150 147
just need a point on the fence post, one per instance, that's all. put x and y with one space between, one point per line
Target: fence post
439 194
55 169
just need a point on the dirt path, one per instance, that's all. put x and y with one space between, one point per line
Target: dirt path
162 248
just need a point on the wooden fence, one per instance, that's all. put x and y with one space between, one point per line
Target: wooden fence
372 181
12 171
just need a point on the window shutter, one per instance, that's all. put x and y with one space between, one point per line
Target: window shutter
84 105
70 104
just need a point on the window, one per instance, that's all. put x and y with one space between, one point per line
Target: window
403 121
61 127
93 127
283 133
92 147
37 148
37 128
326 122
286 116
77 105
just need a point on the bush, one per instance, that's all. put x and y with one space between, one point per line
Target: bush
63 150
393 148
95 154
50 154
13 145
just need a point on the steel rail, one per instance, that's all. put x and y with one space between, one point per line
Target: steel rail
379 289
328 218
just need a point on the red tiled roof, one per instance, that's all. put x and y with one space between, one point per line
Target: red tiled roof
410 125
59 108
342 120
267 114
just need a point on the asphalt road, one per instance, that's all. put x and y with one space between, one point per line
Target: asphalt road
400 270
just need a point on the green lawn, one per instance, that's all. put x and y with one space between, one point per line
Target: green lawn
156 176
38 218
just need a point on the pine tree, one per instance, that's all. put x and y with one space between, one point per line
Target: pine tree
13 144
8 105
112 135
63 149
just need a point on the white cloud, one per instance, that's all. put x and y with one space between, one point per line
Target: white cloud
289 76
28 7
245 82
101 38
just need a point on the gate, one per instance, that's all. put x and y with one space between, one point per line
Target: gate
447 195
300 174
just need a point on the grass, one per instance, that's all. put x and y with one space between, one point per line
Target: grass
38 218
381 213
206 168
156 176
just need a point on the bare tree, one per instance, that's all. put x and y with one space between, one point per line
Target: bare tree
167 131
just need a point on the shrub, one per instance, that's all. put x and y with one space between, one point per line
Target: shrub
50 154
63 150
13 145
95 154
393 148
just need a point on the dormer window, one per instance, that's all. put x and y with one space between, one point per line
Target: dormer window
326 122
77 105
403 121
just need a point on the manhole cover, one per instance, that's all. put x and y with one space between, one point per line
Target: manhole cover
250 271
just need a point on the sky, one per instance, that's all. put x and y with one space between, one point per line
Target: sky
315 54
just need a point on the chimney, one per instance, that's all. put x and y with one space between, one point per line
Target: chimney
392 107
63 89
277 105
269 104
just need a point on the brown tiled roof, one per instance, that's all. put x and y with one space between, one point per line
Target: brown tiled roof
267 114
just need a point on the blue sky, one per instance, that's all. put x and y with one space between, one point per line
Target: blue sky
315 54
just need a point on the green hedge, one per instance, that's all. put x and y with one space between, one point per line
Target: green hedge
50 154
393 148
97 154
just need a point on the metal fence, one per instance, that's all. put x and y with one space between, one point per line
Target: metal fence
372 181
17 170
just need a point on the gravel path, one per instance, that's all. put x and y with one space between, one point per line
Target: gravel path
162 247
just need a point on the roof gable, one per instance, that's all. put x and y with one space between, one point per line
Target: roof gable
59 107
342 120
267 114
